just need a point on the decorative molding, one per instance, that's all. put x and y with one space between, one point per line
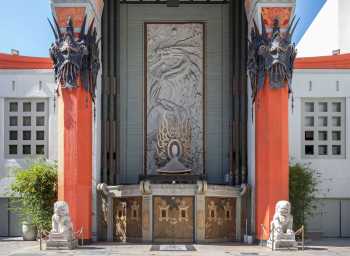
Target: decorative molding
171 190
94 8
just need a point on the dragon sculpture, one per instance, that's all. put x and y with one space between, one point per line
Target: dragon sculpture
272 55
74 58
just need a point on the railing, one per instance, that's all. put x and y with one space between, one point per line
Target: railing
301 231
43 234
262 234
79 235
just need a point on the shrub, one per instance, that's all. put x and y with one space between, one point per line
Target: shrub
302 188
34 193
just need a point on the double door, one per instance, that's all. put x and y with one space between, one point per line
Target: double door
173 219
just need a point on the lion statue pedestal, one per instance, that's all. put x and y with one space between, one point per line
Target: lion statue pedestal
282 235
61 235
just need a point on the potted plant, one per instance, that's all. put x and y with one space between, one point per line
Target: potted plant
33 195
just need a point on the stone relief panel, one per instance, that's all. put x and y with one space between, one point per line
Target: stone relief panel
103 217
174 97
220 218
173 219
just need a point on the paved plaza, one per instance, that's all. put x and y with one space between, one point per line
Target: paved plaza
319 248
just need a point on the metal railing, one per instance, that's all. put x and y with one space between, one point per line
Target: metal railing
264 232
301 231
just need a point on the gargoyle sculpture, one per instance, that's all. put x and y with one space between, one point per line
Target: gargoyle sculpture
273 55
75 58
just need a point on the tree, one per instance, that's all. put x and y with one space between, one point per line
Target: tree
34 193
302 189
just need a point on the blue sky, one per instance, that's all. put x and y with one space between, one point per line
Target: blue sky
24 26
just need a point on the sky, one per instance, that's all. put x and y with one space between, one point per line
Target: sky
24 26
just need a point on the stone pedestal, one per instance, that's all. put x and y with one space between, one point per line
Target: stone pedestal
59 241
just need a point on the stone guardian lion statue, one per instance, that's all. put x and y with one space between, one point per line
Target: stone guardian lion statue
281 228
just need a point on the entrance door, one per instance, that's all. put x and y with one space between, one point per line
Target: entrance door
173 219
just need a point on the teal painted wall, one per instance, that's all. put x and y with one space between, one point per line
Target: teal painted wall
218 95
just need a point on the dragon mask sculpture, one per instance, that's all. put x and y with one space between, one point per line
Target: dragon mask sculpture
273 55
75 58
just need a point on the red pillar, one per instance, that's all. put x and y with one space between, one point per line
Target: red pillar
75 136
271 153
75 156
271 124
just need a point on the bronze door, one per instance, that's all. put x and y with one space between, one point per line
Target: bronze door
128 219
173 220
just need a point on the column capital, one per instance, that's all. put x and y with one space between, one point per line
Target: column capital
269 10
62 9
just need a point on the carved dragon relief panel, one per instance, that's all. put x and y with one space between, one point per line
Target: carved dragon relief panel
174 97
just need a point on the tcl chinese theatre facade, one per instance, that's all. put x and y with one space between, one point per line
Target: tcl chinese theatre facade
160 139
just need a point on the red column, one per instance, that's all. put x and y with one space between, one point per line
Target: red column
75 157
75 141
271 153
271 126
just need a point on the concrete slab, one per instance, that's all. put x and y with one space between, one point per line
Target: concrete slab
329 247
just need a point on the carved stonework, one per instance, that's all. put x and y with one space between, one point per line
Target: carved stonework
269 15
174 91
120 221
281 228
75 58
61 234
273 55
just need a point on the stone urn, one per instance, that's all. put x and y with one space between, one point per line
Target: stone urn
29 231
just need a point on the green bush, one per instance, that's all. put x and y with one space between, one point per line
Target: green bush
302 188
34 193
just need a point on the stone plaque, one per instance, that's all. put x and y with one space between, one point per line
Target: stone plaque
174 97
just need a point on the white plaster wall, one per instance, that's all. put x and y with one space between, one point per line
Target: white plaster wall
26 85
329 31
335 173
344 23
322 37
